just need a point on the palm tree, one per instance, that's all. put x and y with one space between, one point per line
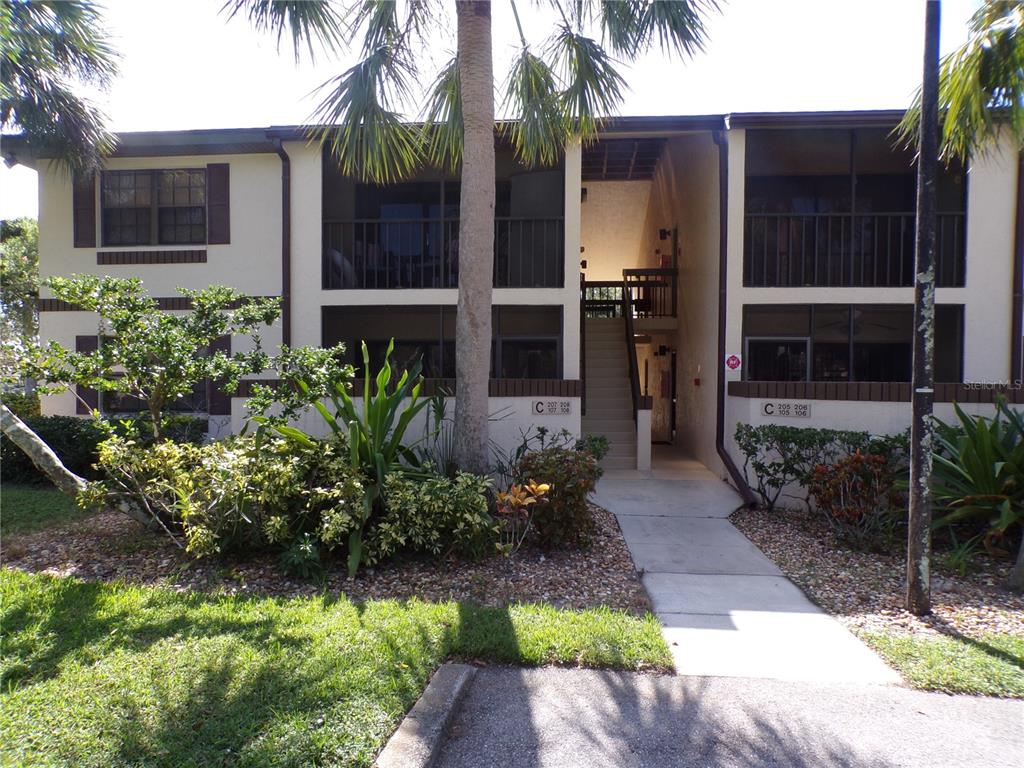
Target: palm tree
555 93
980 93
981 84
51 49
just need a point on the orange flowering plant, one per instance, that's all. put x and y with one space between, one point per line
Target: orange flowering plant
516 508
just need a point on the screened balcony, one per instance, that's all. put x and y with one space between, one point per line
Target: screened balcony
406 235
835 208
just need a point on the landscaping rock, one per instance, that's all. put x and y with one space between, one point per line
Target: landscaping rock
110 546
864 590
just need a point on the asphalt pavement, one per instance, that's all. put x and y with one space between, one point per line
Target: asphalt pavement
559 718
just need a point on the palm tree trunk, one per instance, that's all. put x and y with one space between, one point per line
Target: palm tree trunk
476 235
41 454
919 537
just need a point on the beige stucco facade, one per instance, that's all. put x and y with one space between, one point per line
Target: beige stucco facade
617 224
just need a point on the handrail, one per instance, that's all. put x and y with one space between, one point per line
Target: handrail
654 289
583 344
634 371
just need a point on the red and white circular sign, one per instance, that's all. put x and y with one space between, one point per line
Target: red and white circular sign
732 362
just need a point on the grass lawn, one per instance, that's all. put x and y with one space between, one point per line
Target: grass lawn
113 675
992 667
26 508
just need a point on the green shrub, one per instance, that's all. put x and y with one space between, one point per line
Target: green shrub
24 405
856 497
596 445
438 516
978 476
236 495
778 457
375 431
72 438
564 519
76 441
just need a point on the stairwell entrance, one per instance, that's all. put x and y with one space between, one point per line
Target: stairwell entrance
616 316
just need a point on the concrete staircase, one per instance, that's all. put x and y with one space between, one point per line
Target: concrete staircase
608 398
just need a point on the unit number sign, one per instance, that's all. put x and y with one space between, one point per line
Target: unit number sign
552 407
786 409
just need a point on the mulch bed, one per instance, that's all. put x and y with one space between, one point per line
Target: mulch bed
110 546
865 590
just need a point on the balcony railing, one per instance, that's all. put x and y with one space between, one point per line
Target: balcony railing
869 250
424 253
652 293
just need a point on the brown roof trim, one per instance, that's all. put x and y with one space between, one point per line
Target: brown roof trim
871 391
554 388
885 118
162 302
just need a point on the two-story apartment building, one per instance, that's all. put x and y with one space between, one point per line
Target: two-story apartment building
674 278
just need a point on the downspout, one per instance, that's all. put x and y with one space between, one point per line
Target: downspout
286 243
1017 307
738 479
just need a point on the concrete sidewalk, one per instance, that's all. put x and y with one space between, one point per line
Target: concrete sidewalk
726 608
520 718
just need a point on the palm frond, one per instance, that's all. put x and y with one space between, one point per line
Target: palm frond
532 99
443 136
357 121
980 84
593 86
632 27
378 20
49 50
308 22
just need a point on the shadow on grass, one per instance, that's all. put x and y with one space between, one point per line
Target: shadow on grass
78 620
146 677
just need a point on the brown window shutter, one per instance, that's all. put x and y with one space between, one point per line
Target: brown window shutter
83 205
218 402
88 399
218 207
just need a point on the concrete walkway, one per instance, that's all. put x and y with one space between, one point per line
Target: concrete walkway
726 608
558 718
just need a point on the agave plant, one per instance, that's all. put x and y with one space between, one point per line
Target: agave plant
979 473
375 432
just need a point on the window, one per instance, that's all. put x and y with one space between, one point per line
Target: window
154 207
836 207
859 342
119 403
526 342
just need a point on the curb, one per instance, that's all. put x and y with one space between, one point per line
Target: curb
419 736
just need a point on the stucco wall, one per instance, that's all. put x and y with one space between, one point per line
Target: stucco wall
684 195
511 419
251 263
612 235
986 296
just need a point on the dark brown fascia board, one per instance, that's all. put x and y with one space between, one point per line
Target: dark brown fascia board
220 141
207 141
885 118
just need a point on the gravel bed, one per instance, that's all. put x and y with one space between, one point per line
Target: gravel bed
110 546
864 590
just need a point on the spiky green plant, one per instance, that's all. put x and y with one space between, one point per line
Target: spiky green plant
376 433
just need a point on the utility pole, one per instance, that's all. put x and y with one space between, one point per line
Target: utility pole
919 539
